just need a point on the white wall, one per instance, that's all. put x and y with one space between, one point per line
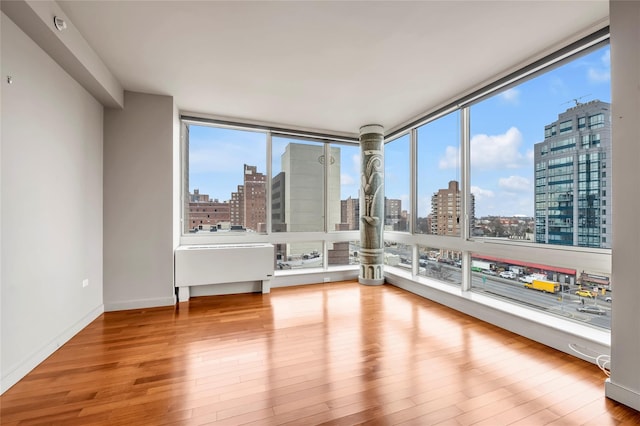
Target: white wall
51 171
139 202
624 383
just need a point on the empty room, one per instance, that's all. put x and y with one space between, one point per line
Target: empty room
314 212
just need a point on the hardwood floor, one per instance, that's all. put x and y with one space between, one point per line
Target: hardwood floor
338 353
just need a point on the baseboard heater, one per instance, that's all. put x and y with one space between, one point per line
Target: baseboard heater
222 263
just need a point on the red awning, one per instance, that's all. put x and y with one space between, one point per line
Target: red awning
539 266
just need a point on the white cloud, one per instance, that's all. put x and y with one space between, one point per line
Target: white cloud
481 194
346 179
489 152
599 75
558 87
529 155
355 160
498 151
511 96
602 73
451 159
606 58
515 183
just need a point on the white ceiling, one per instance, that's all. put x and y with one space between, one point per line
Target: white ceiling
331 66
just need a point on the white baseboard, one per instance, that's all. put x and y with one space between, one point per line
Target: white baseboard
621 394
17 372
139 304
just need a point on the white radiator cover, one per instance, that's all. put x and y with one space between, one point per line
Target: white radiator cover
223 263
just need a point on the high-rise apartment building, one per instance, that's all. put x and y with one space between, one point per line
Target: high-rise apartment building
237 207
249 202
446 210
393 217
255 198
572 178
350 213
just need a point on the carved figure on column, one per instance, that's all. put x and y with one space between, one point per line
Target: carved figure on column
372 188
371 205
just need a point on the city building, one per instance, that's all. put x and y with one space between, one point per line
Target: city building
302 167
237 207
350 213
245 210
295 201
205 214
573 178
250 209
393 218
446 208
278 199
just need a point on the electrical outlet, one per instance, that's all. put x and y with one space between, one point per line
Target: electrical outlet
326 279
85 282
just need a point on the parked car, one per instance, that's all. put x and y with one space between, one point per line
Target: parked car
508 274
607 299
592 309
584 293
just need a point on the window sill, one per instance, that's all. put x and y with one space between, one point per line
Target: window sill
547 329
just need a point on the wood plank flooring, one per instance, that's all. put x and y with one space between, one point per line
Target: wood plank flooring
338 354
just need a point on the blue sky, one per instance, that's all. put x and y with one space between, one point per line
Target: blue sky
504 129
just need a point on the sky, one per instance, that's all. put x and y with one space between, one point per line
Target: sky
504 129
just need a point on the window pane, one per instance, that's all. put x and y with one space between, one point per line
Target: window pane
301 255
297 186
343 253
439 190
582 296
346 171
398 255
397 184
440 264
533 157
226 180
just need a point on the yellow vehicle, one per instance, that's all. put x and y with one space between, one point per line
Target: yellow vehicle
584 293
544 286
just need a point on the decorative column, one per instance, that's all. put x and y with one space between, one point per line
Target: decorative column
371 205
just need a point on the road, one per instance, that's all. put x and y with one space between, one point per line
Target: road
562 304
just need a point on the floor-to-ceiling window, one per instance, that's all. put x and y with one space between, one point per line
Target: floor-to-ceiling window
513 181
299 192
504 193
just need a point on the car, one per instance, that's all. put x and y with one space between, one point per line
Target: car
584 293
591 309
508 274
608 299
